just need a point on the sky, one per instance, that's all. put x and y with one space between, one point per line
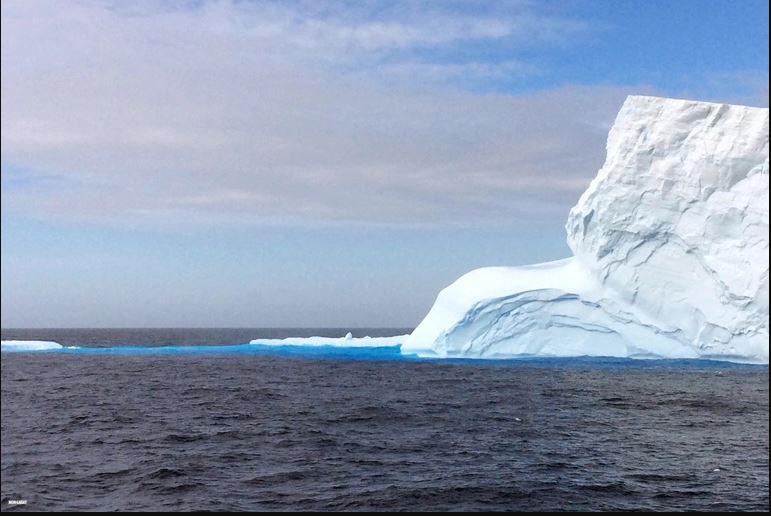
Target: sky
313 163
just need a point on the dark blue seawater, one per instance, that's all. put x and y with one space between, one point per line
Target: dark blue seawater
184 419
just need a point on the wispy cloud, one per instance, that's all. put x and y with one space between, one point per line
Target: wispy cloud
221 112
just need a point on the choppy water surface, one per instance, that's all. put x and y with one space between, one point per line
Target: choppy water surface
292 431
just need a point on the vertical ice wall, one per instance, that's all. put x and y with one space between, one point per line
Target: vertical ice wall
676 223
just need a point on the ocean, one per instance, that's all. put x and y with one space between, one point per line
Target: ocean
205 423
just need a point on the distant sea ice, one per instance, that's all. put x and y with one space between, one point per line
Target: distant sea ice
348 341
29 345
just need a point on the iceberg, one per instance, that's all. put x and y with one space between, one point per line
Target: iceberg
670 252
349 341
28 345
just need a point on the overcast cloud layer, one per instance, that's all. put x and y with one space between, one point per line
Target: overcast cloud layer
158 114
265 113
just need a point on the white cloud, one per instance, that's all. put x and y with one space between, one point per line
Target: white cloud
270 113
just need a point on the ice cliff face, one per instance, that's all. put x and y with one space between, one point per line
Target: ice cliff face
671 252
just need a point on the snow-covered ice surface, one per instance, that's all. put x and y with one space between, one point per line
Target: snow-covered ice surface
28 345
670 246
348 341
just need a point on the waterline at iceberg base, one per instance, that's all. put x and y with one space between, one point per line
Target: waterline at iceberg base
670 246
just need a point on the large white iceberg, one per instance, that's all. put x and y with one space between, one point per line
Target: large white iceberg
670 246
